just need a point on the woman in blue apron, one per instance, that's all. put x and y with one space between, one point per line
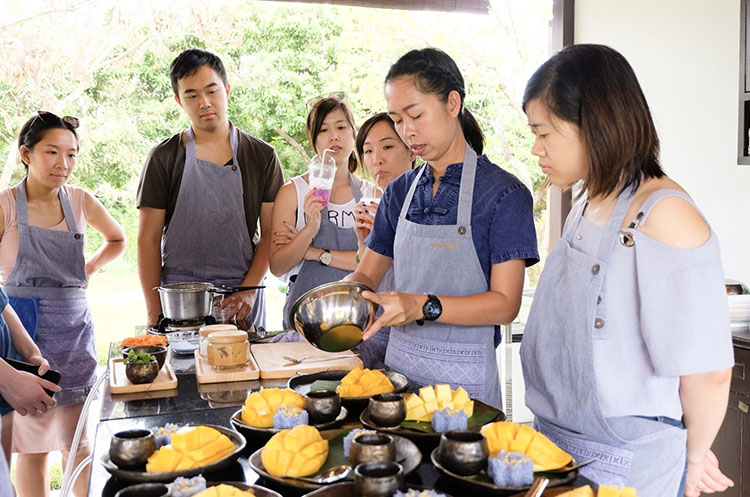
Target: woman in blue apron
614 352
44 224
458 232
385 157
314 239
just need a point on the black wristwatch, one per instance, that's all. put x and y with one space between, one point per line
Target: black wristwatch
432 309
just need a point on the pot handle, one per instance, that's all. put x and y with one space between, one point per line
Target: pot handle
228 290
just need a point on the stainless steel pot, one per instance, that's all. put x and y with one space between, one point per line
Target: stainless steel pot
185 301
192 301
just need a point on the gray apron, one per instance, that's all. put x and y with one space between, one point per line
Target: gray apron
313 273
442 260
558 368
207 237
50 266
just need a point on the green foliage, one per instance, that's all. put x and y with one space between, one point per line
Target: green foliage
114 74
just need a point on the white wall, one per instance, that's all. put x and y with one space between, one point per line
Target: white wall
686 56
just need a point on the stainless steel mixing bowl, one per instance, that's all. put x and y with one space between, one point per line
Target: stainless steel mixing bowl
332 316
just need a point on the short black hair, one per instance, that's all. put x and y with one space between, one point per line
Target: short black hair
595 88
192 59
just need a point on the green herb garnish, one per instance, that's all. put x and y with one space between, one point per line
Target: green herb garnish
139 357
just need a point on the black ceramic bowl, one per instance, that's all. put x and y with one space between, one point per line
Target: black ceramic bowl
158 351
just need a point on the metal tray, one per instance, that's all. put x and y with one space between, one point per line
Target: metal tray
143 477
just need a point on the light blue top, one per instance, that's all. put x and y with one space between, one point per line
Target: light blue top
666 315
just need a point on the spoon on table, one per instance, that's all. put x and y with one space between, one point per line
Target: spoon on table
332 475
568 469
537 487
317 358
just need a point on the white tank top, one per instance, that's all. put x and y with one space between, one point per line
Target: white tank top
341 215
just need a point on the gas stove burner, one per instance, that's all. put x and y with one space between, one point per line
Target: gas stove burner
166 325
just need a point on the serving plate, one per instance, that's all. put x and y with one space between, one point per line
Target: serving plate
141 476
434 438
407 453
302 383
347 489
256 489
484 484
262 435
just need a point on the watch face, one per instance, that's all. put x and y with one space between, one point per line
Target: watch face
432 308
326 258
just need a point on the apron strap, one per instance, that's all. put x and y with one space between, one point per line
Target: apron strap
22 215
613 225
410 193
233 144
654 198
466 193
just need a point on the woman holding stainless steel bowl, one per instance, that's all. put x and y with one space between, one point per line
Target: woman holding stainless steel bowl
458 232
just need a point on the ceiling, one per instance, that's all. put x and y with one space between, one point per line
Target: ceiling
476 6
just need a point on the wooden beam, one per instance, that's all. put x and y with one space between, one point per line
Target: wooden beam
475 6
562 35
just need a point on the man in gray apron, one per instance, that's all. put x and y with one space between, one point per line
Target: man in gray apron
202 194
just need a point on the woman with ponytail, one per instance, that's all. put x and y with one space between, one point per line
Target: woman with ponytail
458 231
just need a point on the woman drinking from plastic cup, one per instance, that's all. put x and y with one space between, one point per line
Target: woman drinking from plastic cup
313 230
44 272
385 158
458 232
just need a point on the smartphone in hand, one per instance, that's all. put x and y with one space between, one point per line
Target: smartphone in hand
51 375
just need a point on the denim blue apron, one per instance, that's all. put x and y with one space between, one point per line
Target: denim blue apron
442 260
558 366
50 266
314 273
207 237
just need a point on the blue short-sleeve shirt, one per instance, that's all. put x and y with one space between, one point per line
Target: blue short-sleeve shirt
502 221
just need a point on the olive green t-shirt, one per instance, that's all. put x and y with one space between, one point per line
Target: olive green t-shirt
161 176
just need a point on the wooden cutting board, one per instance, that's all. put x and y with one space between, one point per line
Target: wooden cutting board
205 373
119 382
270 359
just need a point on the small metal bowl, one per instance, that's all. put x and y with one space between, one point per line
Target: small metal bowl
131 448
145 490
158 351
463 452
378 479
387 409
142 373
372 447
329 315
323 406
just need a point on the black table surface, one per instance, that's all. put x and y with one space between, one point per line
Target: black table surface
191 403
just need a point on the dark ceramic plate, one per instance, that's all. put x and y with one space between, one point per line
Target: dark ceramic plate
346 489
143 477
264 434
301 384
559 477
148 489
424 437
404 448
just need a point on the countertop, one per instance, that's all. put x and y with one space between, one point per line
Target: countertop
741 338
191 403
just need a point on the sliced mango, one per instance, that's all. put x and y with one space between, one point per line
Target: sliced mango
505 435
300 451
260 406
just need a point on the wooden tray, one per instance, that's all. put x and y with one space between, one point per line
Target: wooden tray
119 383
205 373
270 359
